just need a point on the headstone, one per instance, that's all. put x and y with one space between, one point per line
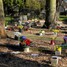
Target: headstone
24 18
57 53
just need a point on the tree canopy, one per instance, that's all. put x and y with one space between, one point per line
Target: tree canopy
23 4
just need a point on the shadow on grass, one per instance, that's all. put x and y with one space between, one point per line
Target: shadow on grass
8 60
65 21
64 32
13 47
19 48
37 34
48 62
46 51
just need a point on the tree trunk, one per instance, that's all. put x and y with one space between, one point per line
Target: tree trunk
58 6
2 24
50 13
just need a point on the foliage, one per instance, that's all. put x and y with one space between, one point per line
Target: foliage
8 2
10 5
7 19
35 4
42 4
19 3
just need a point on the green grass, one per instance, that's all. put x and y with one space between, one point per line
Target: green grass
7 19
36 37
63 18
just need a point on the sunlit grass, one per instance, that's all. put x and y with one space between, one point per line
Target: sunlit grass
63 18
7 20
37 37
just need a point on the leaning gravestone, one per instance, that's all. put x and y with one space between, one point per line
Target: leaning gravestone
24 18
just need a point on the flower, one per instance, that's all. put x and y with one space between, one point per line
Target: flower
27 41
55 30
20 26
58 48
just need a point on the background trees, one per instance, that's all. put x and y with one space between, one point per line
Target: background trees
24 6
28 5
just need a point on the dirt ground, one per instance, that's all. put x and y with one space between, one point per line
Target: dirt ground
40 56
